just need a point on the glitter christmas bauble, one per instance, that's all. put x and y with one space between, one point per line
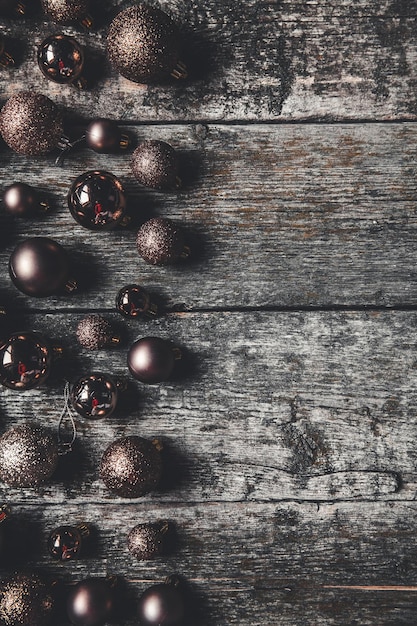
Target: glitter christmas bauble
155 164
134 301
30 123
131 467
61 59
105 137
97 200
28 456
94 396
161 242
40 267
146 541
65 543
22 200
143 44
162 605
152 359
92 602
66 11
25 360
95 332
26 600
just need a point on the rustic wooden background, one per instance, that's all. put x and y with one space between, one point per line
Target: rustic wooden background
291 433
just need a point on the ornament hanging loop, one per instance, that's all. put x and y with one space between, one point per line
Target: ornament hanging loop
65 146
65 445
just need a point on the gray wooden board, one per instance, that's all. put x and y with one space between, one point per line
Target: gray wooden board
290 447
294 215
258 60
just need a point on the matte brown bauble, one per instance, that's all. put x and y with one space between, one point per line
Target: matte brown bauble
95 332
28 456
146 541
105 137
162 605
26 600
155 164
25 360
131 467
152 359
40 267
66 11
92 602
22 200
161 242
143 44
31 124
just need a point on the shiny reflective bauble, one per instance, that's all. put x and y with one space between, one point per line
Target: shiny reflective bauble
65 11
146 541
143 45
152 359
66 542
92 602
31 124
104 136
134 301
97 200
26 600
28 456
131 466
94 396
155 164
22 200
161 242
39 267
25 361
61 59
161 605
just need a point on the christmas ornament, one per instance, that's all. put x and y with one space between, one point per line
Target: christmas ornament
11 8
31 124
95 396
143 45
97 201
66 542
61 59
26 600
6 59
94 332
131 467
162 605
155 164
40 267
146 541
93 601
26 360
23 200
161 242
28 456
152 359
104 136
66 11
134 301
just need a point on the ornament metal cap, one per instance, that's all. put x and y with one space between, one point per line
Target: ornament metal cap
180 71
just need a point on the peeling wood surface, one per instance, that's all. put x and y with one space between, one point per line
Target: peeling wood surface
290 430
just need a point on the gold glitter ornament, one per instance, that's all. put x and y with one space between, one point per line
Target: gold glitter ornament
66 11
143 44
31 124
28 456
26 600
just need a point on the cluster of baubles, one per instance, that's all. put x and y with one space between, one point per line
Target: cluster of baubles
144 46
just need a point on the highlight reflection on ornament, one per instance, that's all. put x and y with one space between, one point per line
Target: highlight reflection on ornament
97 201
61 59
25 360
95 396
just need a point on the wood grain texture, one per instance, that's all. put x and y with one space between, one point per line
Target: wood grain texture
277 216
258 61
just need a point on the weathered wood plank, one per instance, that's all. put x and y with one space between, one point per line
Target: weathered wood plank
264 61
270 407
304 215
